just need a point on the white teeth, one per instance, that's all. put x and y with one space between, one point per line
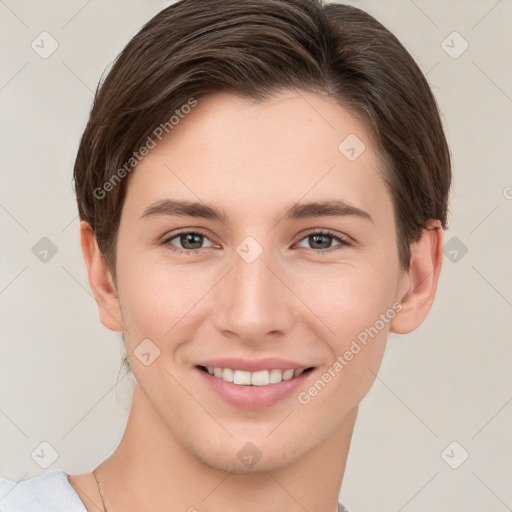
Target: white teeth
287 374
241 377
228 374
259 378
275 376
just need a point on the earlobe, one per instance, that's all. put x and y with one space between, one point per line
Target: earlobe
100 280
421 280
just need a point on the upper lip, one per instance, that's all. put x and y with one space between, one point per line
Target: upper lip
254 365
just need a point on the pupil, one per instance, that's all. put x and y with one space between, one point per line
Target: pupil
326 240
189 238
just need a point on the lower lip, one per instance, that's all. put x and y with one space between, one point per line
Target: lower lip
253 397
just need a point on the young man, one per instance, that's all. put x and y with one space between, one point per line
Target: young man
263 189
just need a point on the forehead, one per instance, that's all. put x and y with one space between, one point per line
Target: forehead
292 145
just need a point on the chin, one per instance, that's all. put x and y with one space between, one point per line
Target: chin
233 465
246 458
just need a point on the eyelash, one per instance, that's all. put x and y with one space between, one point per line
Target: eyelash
343 241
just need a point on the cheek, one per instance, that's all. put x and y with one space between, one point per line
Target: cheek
359 317
355 304
159 299
347 298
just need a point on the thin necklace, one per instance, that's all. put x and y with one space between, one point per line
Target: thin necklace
103 499
101 492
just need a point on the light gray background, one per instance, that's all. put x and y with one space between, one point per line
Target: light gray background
448 381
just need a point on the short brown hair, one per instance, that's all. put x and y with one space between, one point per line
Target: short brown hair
255 48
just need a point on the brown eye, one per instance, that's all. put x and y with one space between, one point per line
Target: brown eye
323 240
187 241
320 241
191 239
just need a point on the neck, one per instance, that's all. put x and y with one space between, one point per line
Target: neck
151 471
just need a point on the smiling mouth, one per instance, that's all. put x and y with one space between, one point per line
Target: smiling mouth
259 378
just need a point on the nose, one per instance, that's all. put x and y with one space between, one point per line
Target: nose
253 303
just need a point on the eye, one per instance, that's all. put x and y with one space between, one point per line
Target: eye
323 239
190 241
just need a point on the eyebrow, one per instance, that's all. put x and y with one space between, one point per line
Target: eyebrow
332 208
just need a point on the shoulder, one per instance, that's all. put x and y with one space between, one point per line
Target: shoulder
50 491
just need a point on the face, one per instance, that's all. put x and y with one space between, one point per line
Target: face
288 261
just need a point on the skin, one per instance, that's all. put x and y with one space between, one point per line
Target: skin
301 299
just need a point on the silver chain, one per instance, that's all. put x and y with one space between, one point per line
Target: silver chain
103 499
101 492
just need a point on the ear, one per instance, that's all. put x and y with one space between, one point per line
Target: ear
100 280
418 287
